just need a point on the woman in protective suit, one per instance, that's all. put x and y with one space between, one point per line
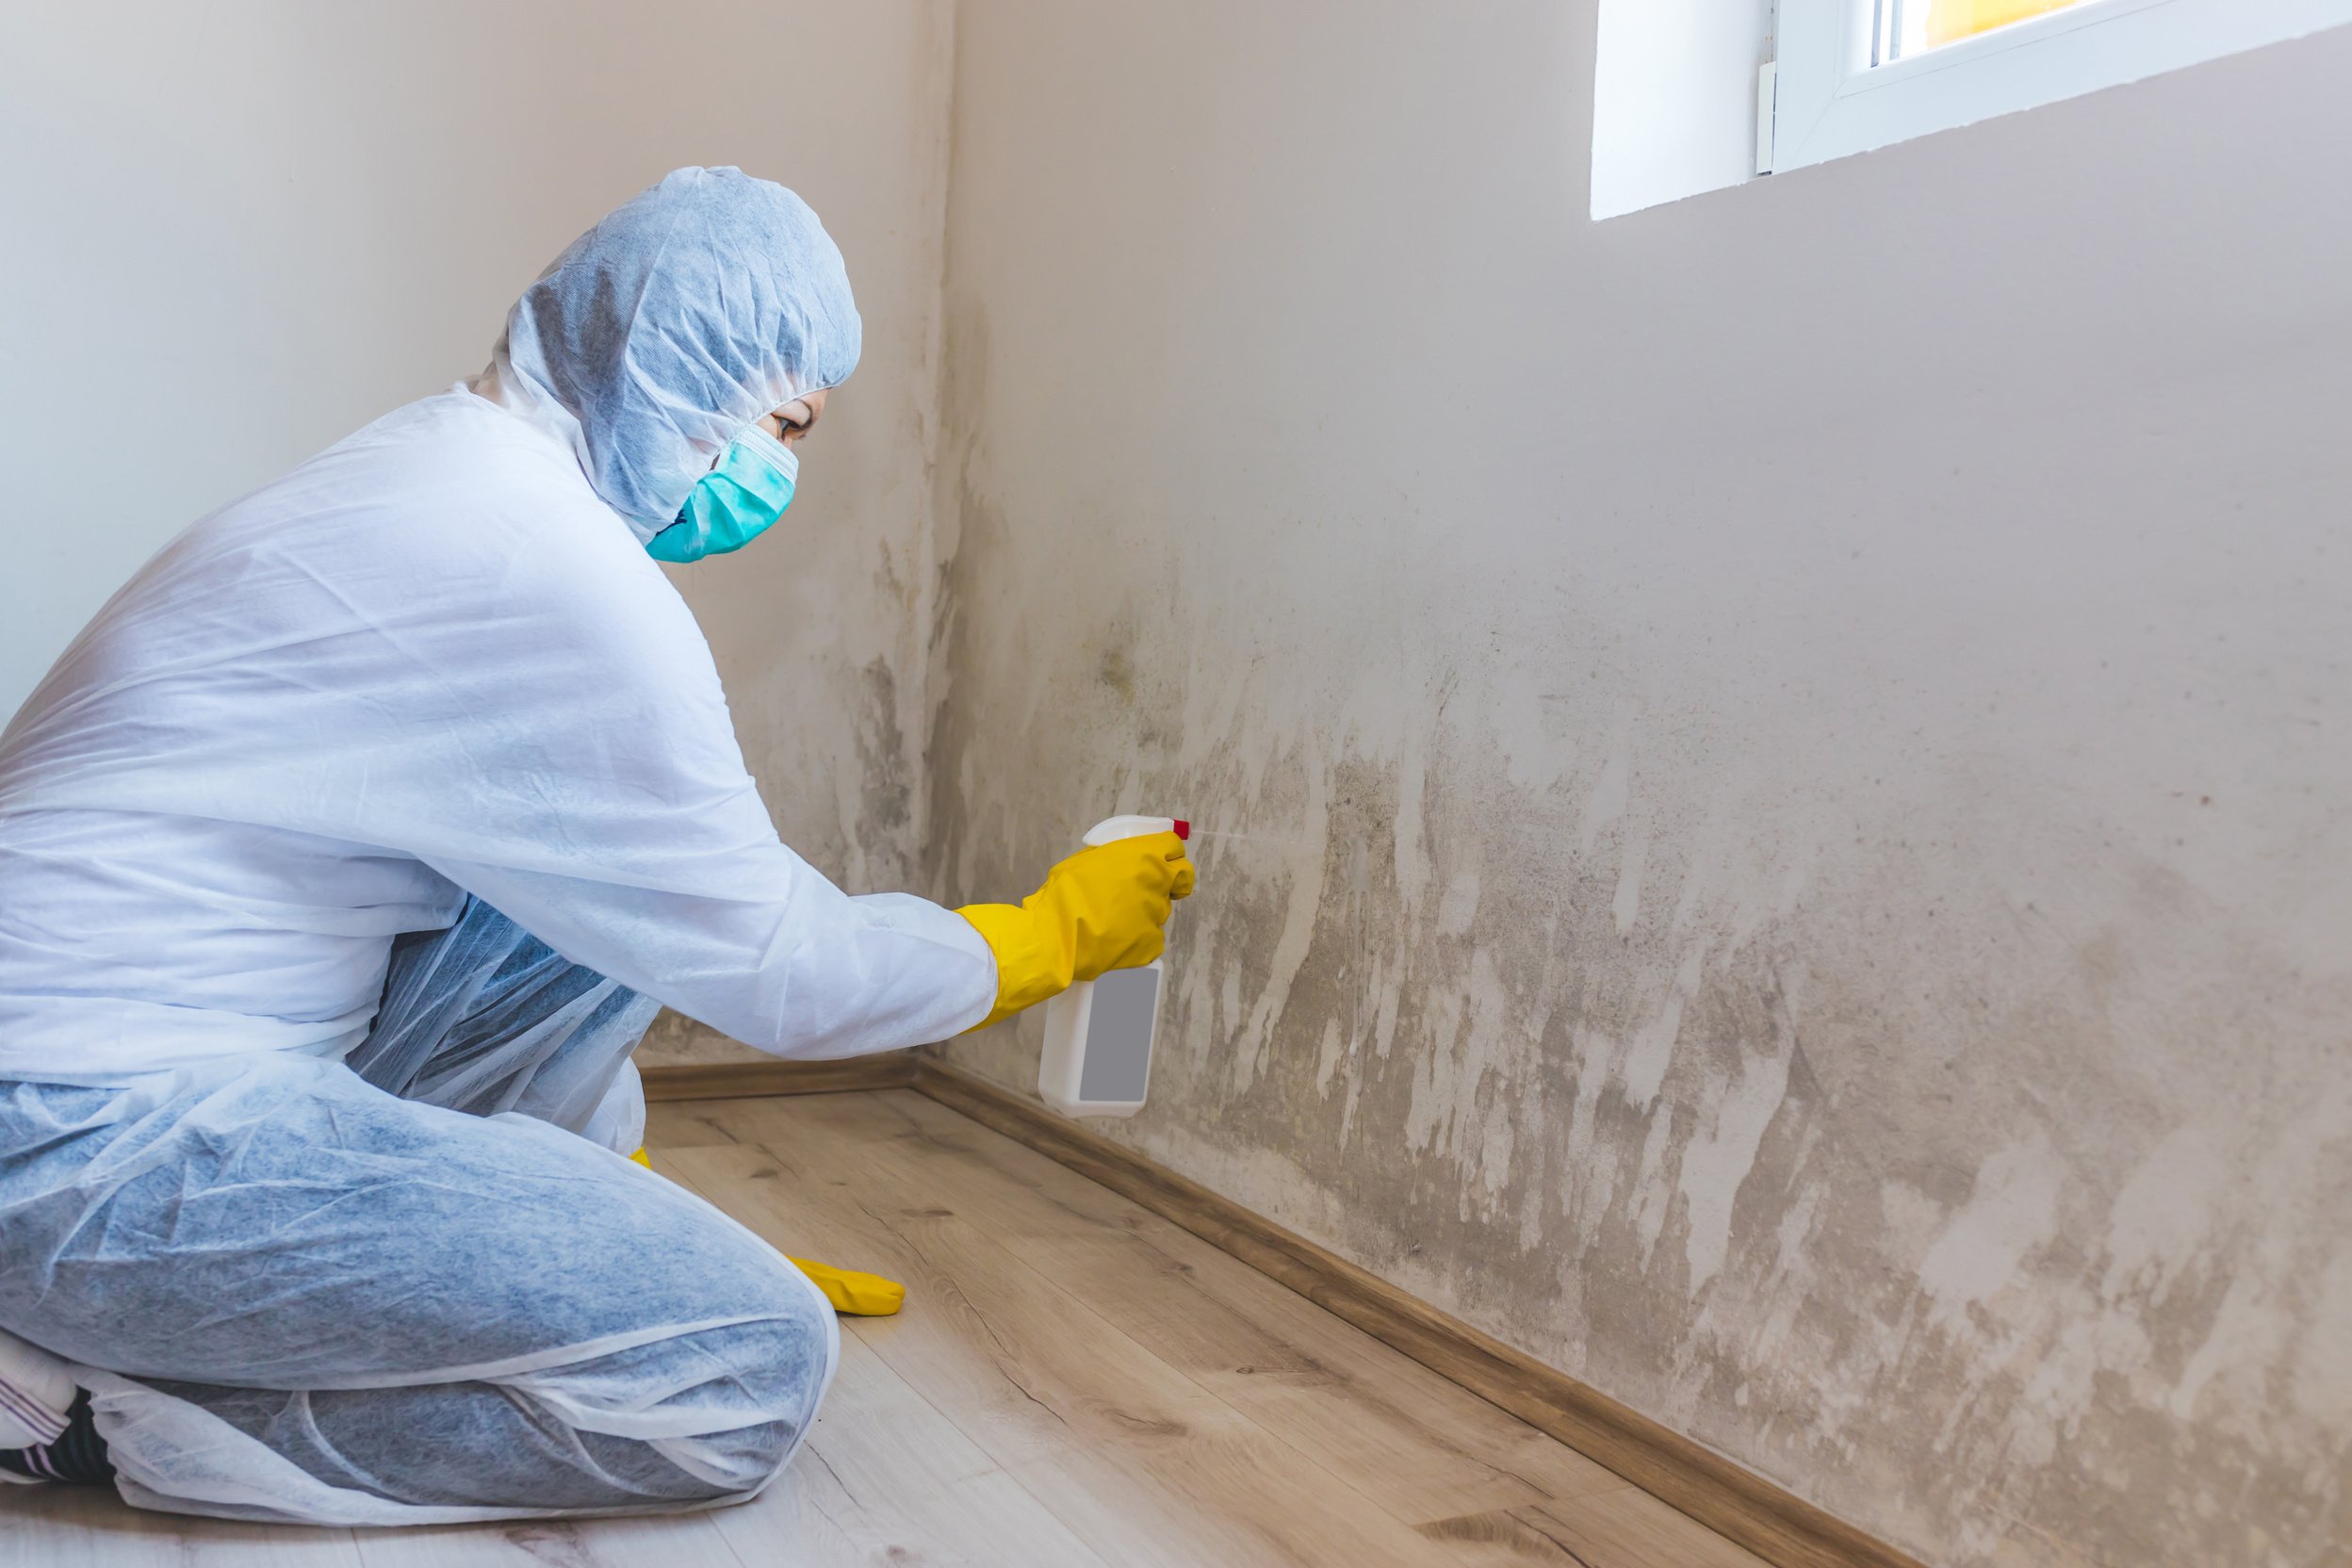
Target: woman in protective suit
345 856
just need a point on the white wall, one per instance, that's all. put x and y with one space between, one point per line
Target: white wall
232 232
1792 745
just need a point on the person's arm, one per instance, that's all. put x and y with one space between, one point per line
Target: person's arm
540 721
793 965
608 811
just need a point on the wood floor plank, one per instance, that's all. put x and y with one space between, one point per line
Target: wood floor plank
629 1543
886 1479
1412 1443
798 1521
1535 1542
937 1345
704 1123
1140 1462
56 1527
904 1486
1633 1530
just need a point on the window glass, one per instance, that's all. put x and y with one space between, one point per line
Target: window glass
1907 28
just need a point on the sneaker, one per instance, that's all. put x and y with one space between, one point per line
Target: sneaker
75 1457
46 1430
35 1393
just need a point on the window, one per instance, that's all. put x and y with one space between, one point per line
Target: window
1854 75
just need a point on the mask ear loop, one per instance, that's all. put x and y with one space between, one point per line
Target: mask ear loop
757 437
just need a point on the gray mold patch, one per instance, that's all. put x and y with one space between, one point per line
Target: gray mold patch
883 764
1833 1160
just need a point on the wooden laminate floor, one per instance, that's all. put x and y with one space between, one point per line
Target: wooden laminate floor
1074 1382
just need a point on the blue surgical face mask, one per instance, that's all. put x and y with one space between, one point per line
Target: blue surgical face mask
735 503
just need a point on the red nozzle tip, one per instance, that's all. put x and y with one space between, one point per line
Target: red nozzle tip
1183 829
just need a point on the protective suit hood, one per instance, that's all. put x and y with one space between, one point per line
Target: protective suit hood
686 315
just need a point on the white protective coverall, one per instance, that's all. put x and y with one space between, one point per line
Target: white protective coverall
430 682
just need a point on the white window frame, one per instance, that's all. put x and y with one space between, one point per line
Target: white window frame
1831 101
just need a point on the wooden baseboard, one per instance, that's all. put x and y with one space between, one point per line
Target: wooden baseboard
894 1069
1782 1529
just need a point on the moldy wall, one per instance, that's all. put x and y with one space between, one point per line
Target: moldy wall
1787 749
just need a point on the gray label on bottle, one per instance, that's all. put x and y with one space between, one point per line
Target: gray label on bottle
1119 1036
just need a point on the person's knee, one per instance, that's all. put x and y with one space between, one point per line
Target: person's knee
788 1351
771 1368
730 1464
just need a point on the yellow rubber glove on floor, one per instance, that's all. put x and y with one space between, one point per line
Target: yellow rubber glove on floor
1103 909
859 1295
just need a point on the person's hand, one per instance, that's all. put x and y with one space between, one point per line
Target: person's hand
1103 909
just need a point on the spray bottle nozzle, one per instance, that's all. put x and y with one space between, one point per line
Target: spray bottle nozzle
1183 829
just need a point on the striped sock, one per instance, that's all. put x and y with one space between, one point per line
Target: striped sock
76 1457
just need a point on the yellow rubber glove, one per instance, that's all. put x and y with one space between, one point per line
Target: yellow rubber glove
1103 909
859 1295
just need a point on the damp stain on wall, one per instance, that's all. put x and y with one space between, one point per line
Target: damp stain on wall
1963 1257
1775 750
1889 1123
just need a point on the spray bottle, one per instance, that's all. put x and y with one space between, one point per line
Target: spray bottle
1098 1034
